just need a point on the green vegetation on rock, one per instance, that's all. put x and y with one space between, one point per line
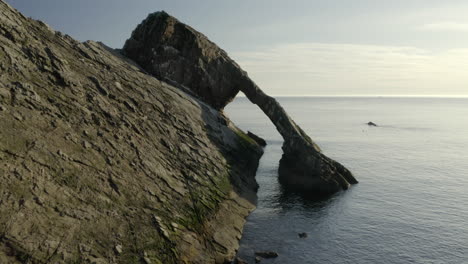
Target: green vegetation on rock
102 163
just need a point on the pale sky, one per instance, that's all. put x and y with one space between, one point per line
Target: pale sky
302 47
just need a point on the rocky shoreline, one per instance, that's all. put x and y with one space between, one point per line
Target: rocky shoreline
101 162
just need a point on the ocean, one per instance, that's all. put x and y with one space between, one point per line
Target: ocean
411 205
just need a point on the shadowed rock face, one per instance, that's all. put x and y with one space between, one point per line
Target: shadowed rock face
172 50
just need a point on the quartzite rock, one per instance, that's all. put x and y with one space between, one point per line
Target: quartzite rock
171 50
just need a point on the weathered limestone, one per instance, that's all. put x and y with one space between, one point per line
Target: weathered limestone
173 51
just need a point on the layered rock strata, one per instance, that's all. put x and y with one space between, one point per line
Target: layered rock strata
103 163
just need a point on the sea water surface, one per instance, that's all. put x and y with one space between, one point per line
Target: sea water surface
411 205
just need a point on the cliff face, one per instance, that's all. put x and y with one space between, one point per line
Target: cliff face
102 163
171 50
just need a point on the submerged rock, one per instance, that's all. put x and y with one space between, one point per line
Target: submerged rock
239 261
266 254
173 51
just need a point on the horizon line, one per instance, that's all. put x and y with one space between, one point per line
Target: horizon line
372 95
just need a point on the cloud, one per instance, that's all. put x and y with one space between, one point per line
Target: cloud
445 26
321 68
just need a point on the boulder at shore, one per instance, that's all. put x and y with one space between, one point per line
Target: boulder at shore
173 51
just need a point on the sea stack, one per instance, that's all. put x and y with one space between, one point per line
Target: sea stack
177 53
101 162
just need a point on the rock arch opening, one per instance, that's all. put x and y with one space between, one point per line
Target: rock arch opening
180 55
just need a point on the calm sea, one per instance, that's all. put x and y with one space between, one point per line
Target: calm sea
411 205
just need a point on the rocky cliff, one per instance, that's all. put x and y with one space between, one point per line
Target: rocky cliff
171 50
103 163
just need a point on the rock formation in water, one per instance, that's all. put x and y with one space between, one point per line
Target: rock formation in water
103 163
258 139
173 51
